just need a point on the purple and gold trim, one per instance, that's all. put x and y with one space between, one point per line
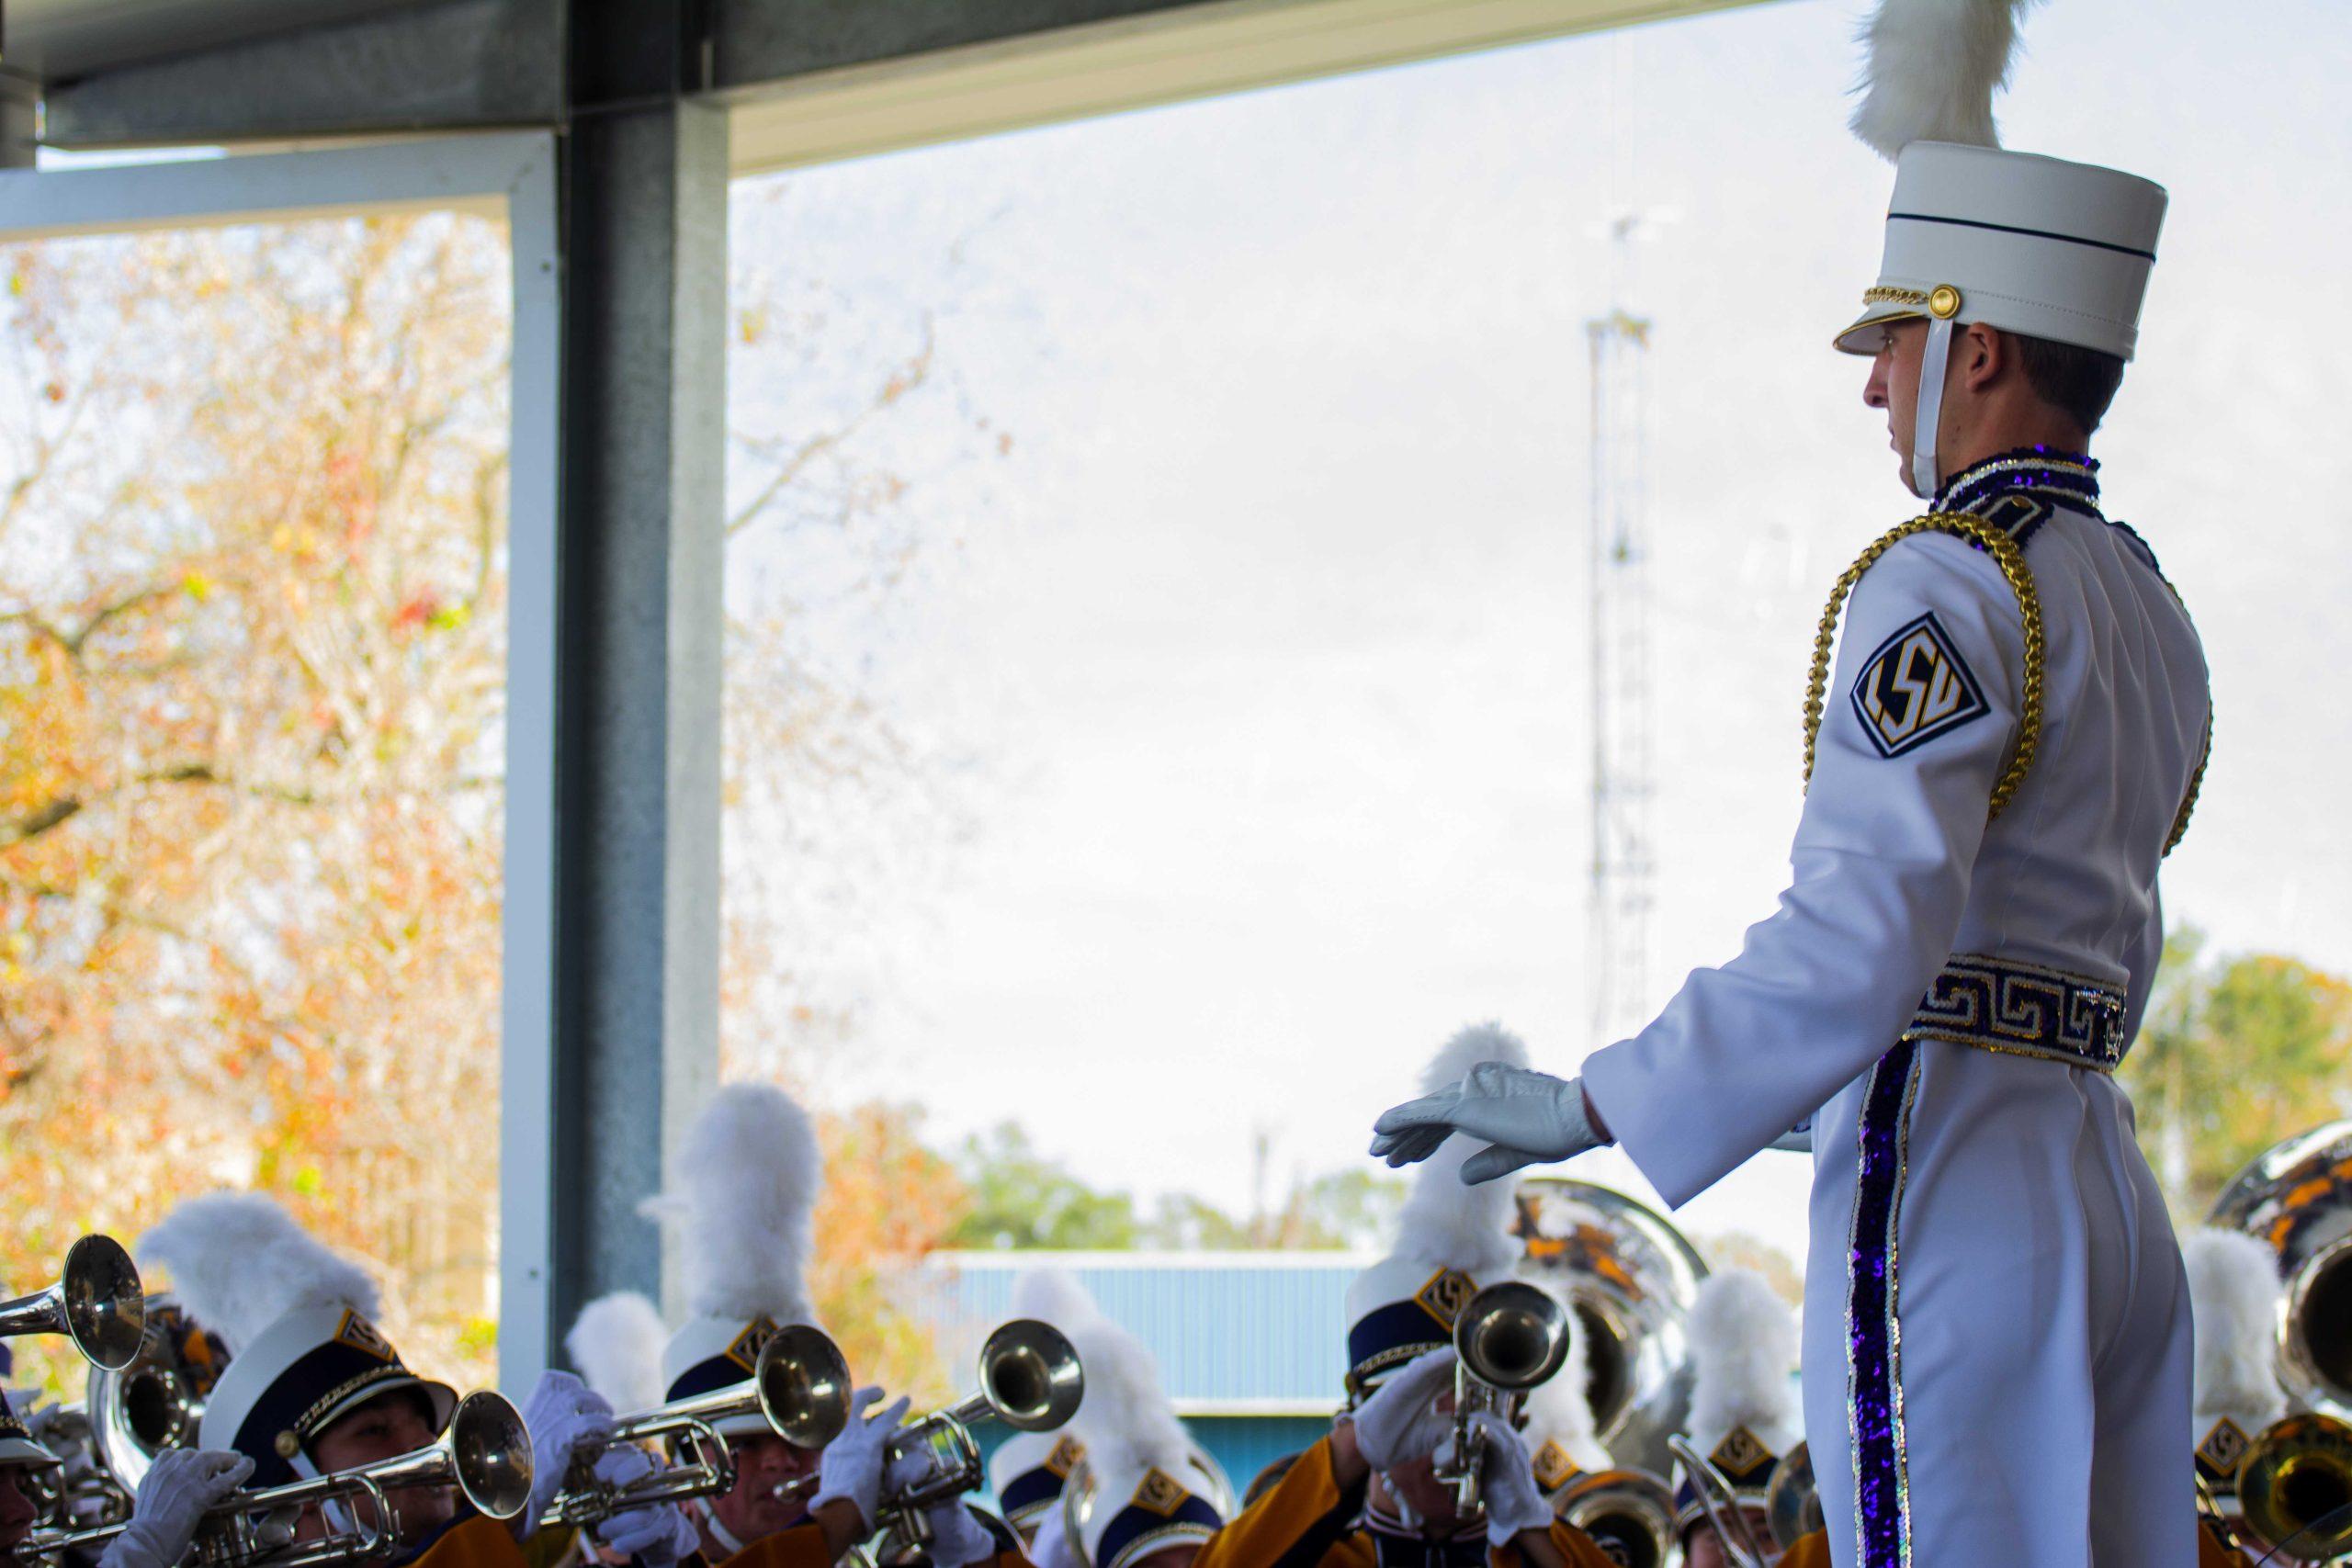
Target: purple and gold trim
1873 1327
2024 1010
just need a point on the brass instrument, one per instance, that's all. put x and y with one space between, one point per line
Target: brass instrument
1792 1501
156 1400
1029 1380
1628 1513
484 1452
1724 1515
2295 1488
799 1386
1510 1336
96 1303
1631 1278
77 1491
2296 1199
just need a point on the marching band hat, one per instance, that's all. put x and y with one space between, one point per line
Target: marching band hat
298 1323
745 1199
1451 1238
1744 1414
1149 1485
1028 1468
17 1444
2233 1292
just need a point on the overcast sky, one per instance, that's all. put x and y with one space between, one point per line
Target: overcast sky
1259 661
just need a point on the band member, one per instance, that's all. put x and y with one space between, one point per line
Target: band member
177 1491
1028 1468
2010 745
1368 1492
1744 1414
1153 1492
314 1387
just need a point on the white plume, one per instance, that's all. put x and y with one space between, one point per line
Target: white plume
1933 67
1444 1222
1743 1347
617 1344
1126 1420
2233 1292
239 1263
1055 1296
747 1187
1560 1410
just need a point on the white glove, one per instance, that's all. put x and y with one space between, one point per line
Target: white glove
1797 1140
177 1491
1524 1117
657 1535
1051 1549
564 1417
1400 1422
958 1539
850 1466
1514 1502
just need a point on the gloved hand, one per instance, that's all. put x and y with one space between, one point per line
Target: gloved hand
958 1539
1051 1548
1514 1500
173 1498
565 1417
657 1535
850 1466
1524 1117
1400 1421
1797 1140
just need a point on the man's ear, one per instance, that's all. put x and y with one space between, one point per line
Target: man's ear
1981 352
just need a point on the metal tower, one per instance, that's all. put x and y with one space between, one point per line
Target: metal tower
1618 918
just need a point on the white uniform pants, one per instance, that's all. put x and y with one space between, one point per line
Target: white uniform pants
1996 1335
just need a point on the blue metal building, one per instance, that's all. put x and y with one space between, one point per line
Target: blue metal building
1252 1344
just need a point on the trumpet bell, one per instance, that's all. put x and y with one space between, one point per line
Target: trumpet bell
1629 1514
2296 1475
1792 1502
1030 1375
804 1386
489 1454
1513 1335
97 1303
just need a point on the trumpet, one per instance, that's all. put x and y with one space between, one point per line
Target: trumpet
1029 1380
1629 1513
485 1453
1792 1501
1724 1516
2295 1487
1509 1338
96 1303
799 1385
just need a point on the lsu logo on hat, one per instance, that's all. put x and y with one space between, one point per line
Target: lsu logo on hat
1160 1492
1915 688
361 1334
745 1351
1446 1294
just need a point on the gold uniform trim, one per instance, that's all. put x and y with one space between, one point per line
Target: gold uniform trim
1997 543
1886 294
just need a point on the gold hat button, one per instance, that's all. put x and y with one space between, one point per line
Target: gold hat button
1943 300
287 1444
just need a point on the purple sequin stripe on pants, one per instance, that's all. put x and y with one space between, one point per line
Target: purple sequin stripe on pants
1874 1337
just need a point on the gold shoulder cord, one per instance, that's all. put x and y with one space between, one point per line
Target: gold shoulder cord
2011 560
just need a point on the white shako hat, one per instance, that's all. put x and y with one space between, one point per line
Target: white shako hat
1977 234
2233 1294
617 1343
1451 1238
1027 1470
1561 1436
1154 1488
1744 1407
299 1323
17 1446
744 1195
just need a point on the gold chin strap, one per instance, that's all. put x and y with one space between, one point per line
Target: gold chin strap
2006 554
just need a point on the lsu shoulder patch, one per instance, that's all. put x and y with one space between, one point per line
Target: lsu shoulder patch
1915 688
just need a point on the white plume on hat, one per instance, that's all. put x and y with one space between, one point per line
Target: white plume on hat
1126 1420
746 1189
2233 1292
239 1263
1444 1222
1055 1296
1559 1410
617 1344
1743 1347
1934 66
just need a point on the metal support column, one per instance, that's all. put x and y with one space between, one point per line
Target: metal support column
644 194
